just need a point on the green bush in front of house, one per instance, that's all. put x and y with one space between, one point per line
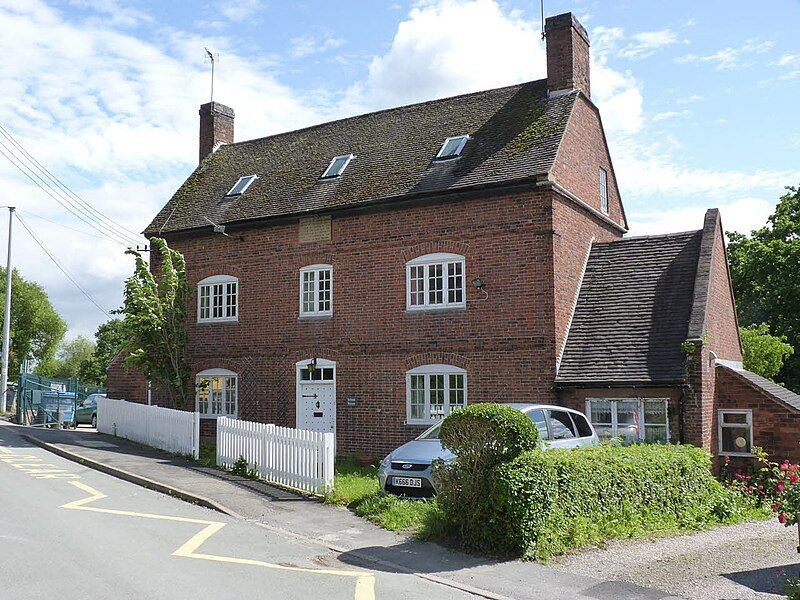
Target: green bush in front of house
546 503
503 495
482 436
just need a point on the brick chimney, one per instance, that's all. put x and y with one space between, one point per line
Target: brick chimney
567 55
216 127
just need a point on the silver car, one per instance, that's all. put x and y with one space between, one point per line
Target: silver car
407 470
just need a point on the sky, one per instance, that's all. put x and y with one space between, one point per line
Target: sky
698 99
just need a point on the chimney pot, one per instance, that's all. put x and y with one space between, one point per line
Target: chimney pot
216 127
567 54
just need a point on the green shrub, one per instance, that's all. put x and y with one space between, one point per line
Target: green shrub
482 436
544 503
242 468
488 434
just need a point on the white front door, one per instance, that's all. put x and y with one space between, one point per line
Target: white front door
316 395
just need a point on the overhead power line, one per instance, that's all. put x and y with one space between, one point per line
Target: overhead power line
113 225
61 267
32 214
25 170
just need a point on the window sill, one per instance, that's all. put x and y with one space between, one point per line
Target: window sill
216 321
422 423
436 309
739 454
315 316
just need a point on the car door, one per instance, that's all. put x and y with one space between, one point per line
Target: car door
85 412
539 418
586 434
562 430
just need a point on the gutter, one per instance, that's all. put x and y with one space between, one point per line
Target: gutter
535 181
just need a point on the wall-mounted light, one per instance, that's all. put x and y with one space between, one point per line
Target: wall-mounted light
312 365
478 283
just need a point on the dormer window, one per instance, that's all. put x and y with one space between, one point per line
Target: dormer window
241 186
337 166
452 147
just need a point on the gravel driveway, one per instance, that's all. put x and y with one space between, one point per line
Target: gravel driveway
736 562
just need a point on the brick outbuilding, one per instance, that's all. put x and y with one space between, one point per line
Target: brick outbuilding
368 275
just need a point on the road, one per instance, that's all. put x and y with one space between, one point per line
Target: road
69 532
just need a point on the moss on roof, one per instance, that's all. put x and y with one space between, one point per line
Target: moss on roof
514 131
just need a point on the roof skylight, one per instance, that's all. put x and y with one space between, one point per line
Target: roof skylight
241 186
452 147
337 166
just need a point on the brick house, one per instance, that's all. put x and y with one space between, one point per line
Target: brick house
378 271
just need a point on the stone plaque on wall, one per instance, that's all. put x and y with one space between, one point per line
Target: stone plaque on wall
315 229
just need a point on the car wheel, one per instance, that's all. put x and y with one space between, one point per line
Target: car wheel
94 421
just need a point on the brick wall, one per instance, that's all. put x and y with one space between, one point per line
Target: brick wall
721 324
575 230
775 425
583 151
216 126
567 54
124 383
504 339
698 407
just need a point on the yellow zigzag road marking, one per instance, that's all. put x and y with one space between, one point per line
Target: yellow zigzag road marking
365 582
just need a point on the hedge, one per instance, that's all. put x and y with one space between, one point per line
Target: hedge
482 436
545 502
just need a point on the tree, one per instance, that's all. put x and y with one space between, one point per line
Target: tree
70 359
154 328
764 353
765 268
36 327
109 339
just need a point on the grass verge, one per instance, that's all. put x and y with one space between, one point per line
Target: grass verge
356 487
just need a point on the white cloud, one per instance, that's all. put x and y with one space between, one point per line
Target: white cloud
240 10
116 118
117 15
647 43
689 99
307 45
730 58
449 47
741 215
670 114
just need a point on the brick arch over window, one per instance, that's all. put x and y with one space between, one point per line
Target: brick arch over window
436 358
442 246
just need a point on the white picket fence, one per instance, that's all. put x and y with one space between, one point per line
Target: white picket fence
294 458
171 430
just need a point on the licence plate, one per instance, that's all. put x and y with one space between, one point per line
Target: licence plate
414 482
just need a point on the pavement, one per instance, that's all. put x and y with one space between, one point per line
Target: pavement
333 532
749 561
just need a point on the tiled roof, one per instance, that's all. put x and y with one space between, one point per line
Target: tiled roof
633 311
778 392
515 134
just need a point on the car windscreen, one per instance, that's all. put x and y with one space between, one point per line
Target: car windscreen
432 433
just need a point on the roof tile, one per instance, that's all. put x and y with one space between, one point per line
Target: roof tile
633 311
515 134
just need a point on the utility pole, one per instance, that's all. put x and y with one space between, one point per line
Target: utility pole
7 314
